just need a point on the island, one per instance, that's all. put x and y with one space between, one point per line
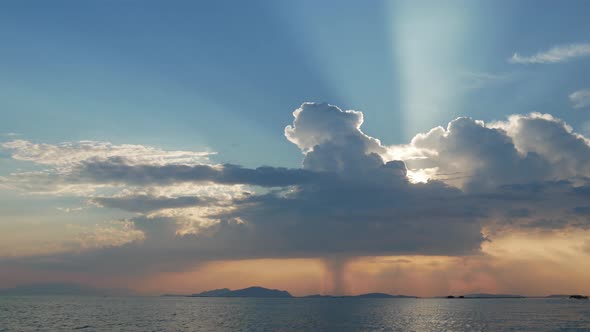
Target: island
245 292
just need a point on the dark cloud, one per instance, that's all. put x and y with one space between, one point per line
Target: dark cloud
547 224
147 203
119 171
582 210
348 218
518 213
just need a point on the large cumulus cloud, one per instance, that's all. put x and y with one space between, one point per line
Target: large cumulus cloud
526 148
332 140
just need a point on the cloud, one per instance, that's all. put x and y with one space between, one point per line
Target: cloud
316 124
48 182
562 53
580 99
118 170
476 156
566 152
332 141
582 210
70 210
110 235
146 203
352 197
85 167
67 154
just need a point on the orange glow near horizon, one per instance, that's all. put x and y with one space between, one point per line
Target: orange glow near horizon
537 264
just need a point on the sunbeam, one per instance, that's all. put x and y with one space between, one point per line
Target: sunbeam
429 40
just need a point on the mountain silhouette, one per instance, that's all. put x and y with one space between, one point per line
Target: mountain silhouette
245 292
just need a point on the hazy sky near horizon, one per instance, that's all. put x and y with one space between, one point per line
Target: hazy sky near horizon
418 147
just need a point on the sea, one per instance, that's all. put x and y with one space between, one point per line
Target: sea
84 313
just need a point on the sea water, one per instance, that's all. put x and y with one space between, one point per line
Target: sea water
64 313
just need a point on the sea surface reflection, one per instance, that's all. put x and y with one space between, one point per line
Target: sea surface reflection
38 313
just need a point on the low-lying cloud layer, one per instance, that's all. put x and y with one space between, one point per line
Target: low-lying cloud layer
446 192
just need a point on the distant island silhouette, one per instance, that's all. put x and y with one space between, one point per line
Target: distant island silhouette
254 291
257 291
261 292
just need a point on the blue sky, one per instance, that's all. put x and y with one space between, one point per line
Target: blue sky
226 75
141 126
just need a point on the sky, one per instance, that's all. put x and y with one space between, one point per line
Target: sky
334 147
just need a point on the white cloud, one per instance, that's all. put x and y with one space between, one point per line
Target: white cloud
48 182
580 99
318 123
473 155
70 210
70 153
565 152
332 140
111 234
556 54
